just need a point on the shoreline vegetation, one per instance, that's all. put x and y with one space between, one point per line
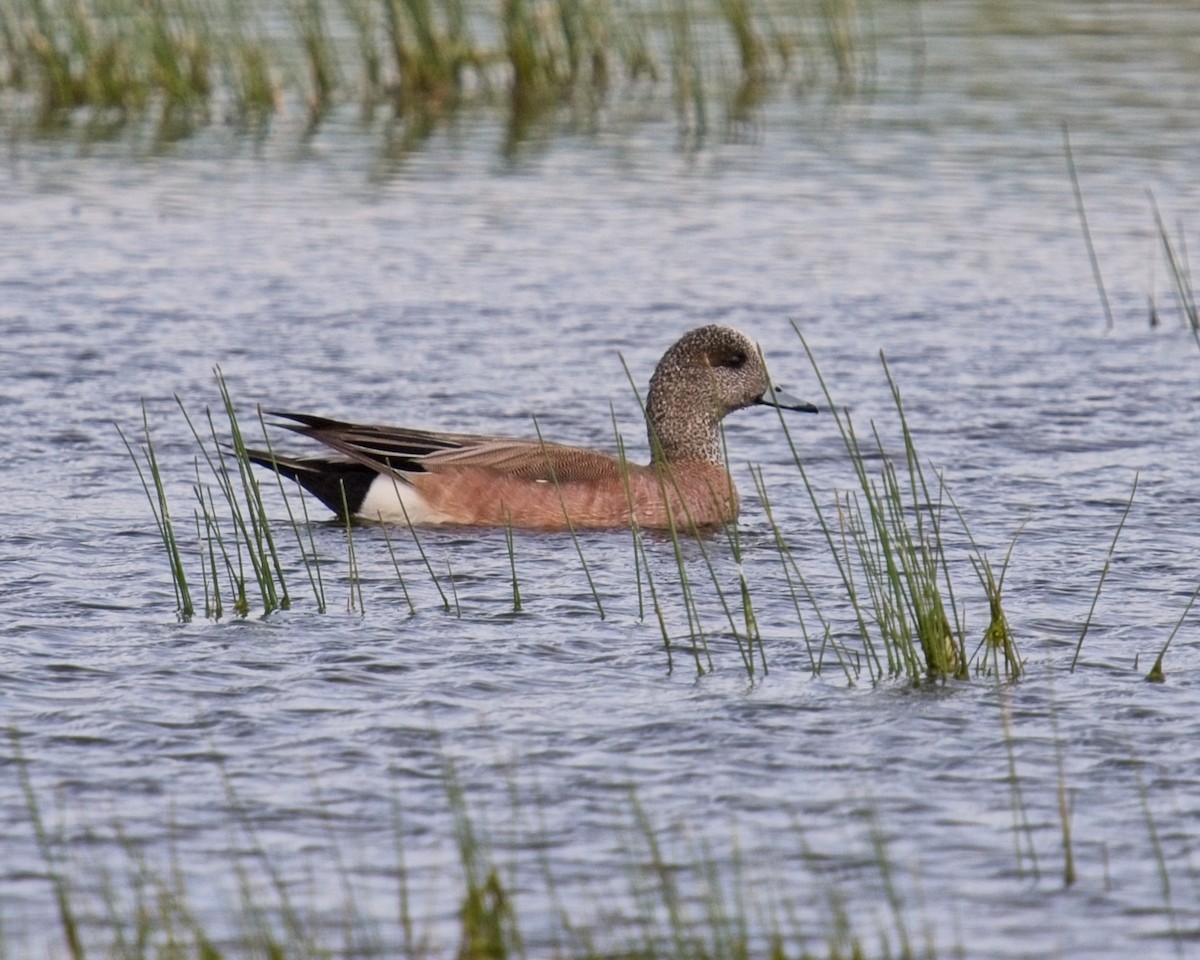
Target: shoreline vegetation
112 64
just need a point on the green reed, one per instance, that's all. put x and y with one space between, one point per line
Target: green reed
1083 222
352 573
453 588
235 538
46 849
1177 266
886 540
1065 808
570 524
314 568
998 643
1022 829
683 900
793 575
320 57
641 562
412 530
1104 573
689 903
396 564
162 517
1156 674
512 564
190 61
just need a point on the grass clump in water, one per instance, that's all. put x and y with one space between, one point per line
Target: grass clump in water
684 900
187 61
886 539
232 527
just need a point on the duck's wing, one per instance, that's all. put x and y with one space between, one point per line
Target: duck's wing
400 450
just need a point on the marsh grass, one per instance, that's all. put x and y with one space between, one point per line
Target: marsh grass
1083 222
886 539
690 891
1181 279
685 900
1104 571
1157 674
235 543
120 61
162 518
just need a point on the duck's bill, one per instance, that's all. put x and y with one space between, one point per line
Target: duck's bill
785 401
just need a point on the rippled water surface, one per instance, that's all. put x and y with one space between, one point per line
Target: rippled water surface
932 219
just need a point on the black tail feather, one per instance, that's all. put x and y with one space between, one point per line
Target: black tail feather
325 478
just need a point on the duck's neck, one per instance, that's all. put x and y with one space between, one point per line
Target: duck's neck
682 426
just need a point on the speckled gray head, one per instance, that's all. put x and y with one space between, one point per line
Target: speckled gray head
708 373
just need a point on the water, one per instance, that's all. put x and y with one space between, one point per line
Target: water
457 288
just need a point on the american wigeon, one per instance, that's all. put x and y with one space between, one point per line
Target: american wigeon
399 475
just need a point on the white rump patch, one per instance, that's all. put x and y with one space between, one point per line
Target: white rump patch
392 501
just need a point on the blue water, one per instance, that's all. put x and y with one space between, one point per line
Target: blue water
930 217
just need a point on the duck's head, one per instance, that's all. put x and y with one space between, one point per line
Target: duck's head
709 372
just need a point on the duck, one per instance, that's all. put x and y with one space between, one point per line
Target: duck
402 475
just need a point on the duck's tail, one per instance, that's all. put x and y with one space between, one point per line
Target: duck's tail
341 485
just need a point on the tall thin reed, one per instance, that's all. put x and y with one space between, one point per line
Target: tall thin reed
1083 222
997 641
623 466
640 561
489 925
753 634
313 566
1156 674
1065 808
351 558
1104 572
695 626
420 549
162 517
687 76
66 914
512 563
1180 277
1020 811
570 524
899 553
320 56
791 569
264 541
395 563
1160 857
453 588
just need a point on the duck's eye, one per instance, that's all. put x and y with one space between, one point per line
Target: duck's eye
732 360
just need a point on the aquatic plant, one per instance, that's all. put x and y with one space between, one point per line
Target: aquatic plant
683 900
186 62
1104 573
162 517
239 534
886 539
1083 222
1180 276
